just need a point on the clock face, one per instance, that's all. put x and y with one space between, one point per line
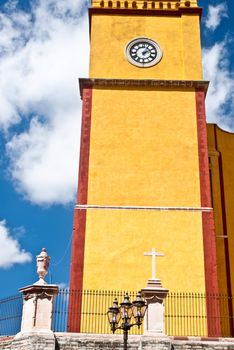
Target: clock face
143 52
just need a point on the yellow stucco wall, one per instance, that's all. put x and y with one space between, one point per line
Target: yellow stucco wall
221 150
179 38
117 239
143 152
216 177
143 148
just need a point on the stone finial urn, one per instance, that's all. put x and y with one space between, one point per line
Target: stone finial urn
43 261
38 309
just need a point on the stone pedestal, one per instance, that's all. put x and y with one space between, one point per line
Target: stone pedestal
154 295
34 341
38 308
36 325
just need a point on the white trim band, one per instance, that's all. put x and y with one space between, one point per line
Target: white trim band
124 207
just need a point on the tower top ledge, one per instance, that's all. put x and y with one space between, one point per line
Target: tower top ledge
144 5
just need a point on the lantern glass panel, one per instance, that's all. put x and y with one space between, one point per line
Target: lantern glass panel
126 312
113 317
126 309
113 314
139 308
139 311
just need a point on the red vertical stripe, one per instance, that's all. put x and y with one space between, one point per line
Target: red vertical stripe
211 275
84 147
79 223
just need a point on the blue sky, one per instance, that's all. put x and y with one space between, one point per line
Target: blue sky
43 50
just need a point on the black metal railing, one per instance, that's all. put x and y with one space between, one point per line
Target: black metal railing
10 315
196 314
186 314
87 311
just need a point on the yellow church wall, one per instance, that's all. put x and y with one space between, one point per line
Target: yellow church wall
211 136
179 38
214 156
143 148
143 152
225 147
136 159
221 153
120 237
191 47
228 171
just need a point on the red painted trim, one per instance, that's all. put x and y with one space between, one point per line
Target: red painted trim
190 85
197 338
211 275
180 338
5 339
84 147
78 242
203 150
77 267
144 12
79 224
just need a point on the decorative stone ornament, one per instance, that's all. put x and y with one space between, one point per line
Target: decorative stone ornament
43 261
38 309
143 52
154 295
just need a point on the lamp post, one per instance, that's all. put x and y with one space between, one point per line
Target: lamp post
126 311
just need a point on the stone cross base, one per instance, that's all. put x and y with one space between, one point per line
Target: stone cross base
37 309
154 295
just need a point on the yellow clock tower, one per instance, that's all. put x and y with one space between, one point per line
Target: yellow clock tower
144 172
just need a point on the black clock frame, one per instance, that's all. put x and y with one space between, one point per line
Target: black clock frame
145 47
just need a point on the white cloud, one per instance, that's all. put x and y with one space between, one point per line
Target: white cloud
44 160
215 15
42 54
19 231
220 98
11 253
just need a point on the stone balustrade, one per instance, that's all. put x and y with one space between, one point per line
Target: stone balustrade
68 341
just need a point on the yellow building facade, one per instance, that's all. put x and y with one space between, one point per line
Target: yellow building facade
144 171
221 160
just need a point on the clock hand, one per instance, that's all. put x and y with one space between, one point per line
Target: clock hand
145 51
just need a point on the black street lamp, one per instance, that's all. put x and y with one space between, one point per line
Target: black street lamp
126 311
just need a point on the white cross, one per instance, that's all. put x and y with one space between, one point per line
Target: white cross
153 254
